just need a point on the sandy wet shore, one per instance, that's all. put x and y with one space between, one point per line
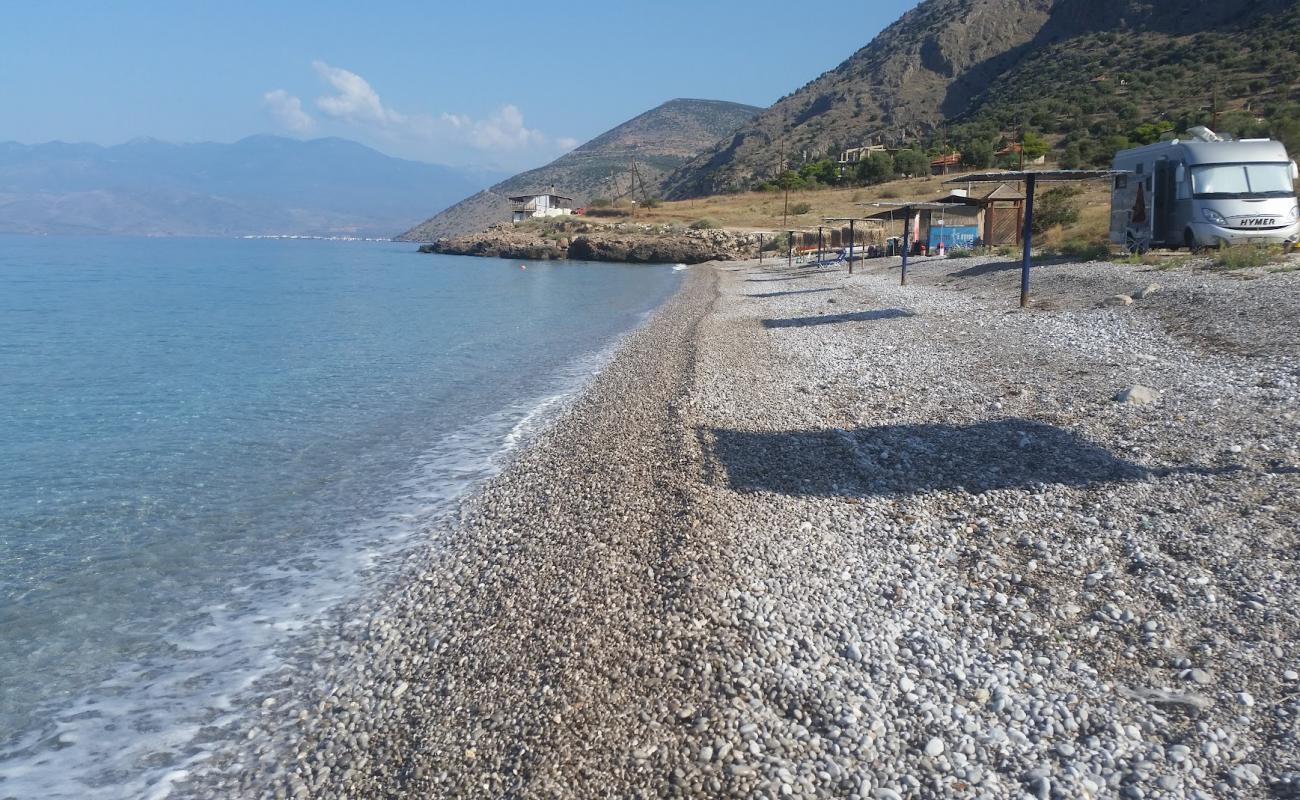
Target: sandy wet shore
820 535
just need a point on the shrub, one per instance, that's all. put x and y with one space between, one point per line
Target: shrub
1247 256
703 225
1057 206
800 208
600 202
889 194
650 202
960 252
1085 250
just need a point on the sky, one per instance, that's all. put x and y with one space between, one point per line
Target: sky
503 85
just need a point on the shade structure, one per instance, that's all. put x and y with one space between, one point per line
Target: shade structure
852 237
908 207
1044 175
1031 179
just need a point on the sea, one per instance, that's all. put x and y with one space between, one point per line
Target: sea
209 445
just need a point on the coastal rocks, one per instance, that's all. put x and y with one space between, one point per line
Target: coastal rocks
1117 301
639 244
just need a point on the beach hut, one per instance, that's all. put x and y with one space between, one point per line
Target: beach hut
544 204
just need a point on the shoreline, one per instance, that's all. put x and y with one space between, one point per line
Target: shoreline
817 535
517 513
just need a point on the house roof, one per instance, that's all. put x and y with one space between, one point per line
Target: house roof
950 160
524 198
1004 192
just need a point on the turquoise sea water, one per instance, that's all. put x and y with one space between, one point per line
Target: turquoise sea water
206 444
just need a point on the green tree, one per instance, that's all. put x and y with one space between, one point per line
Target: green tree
1034 145
1110 145
1284 125
1150 132
1073 157
825 172
978 154
876 168
912 163
788 180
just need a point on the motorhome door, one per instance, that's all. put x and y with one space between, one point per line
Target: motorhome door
1166 192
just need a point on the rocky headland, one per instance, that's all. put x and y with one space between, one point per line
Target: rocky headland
580 240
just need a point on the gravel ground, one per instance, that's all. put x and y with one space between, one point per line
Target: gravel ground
825 536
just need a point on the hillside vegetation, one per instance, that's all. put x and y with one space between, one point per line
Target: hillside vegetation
1087 77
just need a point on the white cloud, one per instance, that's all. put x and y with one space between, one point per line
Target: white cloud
287 111
504 130
355 100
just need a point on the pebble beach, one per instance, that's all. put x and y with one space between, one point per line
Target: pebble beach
812 534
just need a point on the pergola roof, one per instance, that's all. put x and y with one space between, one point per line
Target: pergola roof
1037 174
909 206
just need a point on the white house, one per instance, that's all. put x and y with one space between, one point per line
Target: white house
528 206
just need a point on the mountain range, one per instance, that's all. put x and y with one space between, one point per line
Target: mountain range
258 185
655 143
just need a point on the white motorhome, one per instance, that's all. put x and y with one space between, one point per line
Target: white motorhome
1206 192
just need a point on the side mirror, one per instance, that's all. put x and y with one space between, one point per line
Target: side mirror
1295 172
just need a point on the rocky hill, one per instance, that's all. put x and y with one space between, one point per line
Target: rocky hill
659 140
952 69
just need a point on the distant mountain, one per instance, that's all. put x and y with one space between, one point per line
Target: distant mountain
953 71
258 185
659 141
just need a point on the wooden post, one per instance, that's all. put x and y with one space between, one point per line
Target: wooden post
852 238
1030 181
760 249
789 250
819 245
907 240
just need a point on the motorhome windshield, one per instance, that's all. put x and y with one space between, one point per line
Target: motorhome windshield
1241 181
